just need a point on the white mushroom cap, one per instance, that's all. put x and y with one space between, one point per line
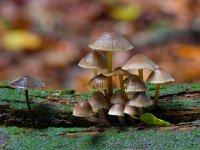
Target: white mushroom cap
111 42
82 109
141 100
117 110
93 60
26 83
98 101
117 98
140 61
159 76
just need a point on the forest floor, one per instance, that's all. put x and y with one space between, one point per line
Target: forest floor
58 129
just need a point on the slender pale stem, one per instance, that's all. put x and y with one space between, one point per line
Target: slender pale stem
140 73
110 70
156 97
29 108
121 120
140 111
95 72
121 83
103 117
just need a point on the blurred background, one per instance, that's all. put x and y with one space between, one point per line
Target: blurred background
47 38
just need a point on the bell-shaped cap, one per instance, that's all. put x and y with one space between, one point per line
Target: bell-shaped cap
93 60
134 84
98 82
118 71
117 98
140 61
82 109
117 110
141 100
98 101
130 110
159 76
26 83
111 42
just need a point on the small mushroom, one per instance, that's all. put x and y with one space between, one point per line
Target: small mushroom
120 72
27 83
117 98
159 76
140 62
93 60
131 111
111 42
84 109
99 101
99 82
118 110
134 84
141 100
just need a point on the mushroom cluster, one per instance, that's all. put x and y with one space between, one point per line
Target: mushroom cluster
131 98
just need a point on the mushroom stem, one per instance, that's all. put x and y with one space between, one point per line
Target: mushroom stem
156 97
121 120
140 73
103 117
110 70
122 86
140 111
29 108
95 72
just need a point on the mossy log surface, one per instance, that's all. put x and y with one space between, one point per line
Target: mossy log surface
178 104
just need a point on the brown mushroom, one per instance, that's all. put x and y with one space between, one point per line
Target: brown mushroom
141 100
93 60
159 76
84 109
118 110
134 84
27 83
131 111
140 62
99 101
117 98
99 82
110 42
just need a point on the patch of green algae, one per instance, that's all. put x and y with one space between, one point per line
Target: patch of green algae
113 139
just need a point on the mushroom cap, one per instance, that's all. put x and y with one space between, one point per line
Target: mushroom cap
134 84
130 110
117 98
118 71
82 109
98 101
117 110
159 76
141 100
26 83
98 82
93 60
111 42
140 61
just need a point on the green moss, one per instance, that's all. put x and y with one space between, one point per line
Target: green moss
56 138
